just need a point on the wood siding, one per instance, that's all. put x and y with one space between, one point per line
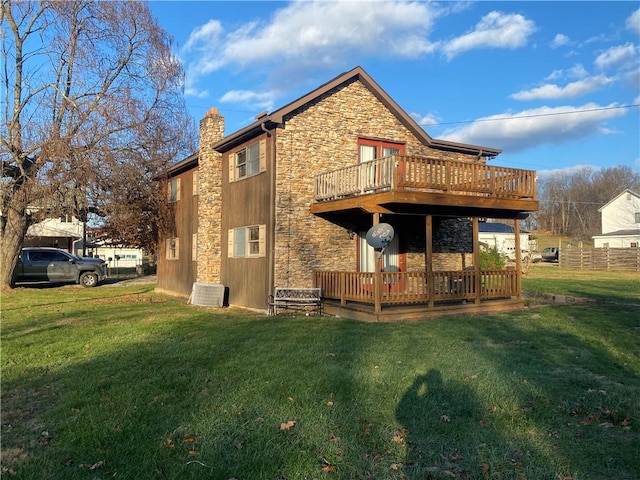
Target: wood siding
246 203
179 275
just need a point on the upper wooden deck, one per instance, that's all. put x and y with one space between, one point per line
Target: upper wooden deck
393 183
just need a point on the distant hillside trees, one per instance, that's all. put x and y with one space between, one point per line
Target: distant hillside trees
92 105
569 202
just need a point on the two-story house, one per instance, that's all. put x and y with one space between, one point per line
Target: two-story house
287 202
620 222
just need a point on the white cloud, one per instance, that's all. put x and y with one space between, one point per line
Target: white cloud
577 71
574 89
544 175
495 30
247 97
560 40
617 57
633 22
315 32
203 35
545 125
425 120
194 92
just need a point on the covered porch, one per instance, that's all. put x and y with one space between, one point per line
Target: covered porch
412 194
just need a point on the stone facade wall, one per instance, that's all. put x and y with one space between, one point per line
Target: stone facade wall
452 239
210 199
319 137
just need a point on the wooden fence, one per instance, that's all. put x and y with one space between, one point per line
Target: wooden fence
600 258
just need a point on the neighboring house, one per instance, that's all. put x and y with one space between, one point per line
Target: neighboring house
502 237
59 232
66 232
287 202
620 222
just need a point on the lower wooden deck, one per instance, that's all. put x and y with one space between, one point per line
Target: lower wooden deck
415 312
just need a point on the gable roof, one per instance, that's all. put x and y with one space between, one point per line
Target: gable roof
620 233
617 197
356 74
496 227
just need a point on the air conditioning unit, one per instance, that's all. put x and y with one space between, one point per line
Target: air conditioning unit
207 294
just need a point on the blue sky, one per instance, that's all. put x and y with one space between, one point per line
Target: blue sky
555 85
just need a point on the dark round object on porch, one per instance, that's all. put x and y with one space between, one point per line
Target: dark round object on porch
379 236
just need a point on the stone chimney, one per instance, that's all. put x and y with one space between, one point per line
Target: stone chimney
210 170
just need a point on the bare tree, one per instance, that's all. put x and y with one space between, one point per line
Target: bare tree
569 203
91 87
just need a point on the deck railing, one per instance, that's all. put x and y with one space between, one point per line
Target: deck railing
406 172
415 287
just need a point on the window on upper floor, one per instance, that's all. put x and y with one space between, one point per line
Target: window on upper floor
194 247
172 248
637 217
249 161
195 187
247 242
173 190
373 149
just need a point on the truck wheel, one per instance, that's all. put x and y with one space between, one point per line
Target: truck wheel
88 279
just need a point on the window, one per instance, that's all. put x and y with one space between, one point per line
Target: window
247 242
173 190
368 258
195 187
248 162
194 247
374 149
172 248
637 217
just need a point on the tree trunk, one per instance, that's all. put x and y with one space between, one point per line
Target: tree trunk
12 238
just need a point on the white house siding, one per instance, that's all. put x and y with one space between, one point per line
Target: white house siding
620 213
617 241
55 227
620 222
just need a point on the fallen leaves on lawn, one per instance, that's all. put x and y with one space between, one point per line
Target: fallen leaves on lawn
44 438
288 425
328 468
399 435
93 466
189 439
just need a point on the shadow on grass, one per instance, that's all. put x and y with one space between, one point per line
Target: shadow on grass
441 420
202 395
210 398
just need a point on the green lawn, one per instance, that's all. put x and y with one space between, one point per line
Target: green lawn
120 382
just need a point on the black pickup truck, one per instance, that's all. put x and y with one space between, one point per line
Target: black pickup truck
57 266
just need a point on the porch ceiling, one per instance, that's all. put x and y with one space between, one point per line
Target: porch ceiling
425 203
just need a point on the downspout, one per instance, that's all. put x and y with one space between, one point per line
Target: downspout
272 211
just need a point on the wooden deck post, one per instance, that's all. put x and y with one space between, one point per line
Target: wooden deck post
476 261
428 253
377 278
516 231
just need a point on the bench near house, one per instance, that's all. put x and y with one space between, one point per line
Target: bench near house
312 177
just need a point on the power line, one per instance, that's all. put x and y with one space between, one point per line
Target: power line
517 117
